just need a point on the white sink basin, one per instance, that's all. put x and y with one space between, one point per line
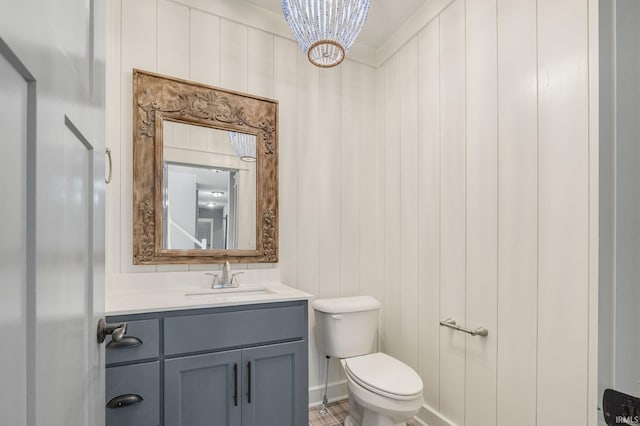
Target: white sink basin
230 292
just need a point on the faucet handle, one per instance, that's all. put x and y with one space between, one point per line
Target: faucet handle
215 281
233 277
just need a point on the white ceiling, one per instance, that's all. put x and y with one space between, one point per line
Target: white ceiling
385 17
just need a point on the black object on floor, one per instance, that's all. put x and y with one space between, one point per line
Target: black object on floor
620 409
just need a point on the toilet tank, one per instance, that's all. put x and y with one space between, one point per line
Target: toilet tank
346 326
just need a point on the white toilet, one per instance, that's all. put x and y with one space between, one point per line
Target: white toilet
383 391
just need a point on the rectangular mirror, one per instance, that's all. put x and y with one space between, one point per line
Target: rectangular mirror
205 175
209 190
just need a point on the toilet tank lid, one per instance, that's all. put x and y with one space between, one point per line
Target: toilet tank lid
340 305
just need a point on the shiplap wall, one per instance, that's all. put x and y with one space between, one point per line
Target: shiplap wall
456 180
329 199
486 116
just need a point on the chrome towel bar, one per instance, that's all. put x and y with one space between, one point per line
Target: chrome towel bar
451 323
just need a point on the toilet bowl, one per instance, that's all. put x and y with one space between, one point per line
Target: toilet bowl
383 391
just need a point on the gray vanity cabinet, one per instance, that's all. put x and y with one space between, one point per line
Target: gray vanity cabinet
230 366
259 386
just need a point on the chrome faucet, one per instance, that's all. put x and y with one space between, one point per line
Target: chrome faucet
226 273
229 279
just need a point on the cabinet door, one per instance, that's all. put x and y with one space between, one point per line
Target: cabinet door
275 382
133 395
141 341
203 390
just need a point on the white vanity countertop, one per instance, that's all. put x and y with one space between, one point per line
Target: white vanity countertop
137 293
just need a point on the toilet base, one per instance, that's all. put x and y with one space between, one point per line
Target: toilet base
360 416
367 409
366 421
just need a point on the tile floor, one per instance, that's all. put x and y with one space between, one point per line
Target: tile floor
335 417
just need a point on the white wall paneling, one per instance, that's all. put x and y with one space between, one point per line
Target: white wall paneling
505 210
563 211
429 211
308 200
204 47
138 46
260 63
391 331
378 260
453 209
286 92
350 163
173 37
233 48
482 211
409 195
517 212
370 255
329 181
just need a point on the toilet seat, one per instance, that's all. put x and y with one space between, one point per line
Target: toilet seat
384 375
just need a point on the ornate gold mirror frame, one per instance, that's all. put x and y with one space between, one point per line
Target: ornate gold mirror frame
157 98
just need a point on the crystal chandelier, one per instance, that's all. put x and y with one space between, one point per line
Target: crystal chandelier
325 29
244 145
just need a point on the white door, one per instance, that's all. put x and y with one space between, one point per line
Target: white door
51 212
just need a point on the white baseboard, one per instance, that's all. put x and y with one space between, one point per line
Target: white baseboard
335 392
420 422
427 416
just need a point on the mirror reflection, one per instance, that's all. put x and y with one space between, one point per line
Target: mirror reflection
209 188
